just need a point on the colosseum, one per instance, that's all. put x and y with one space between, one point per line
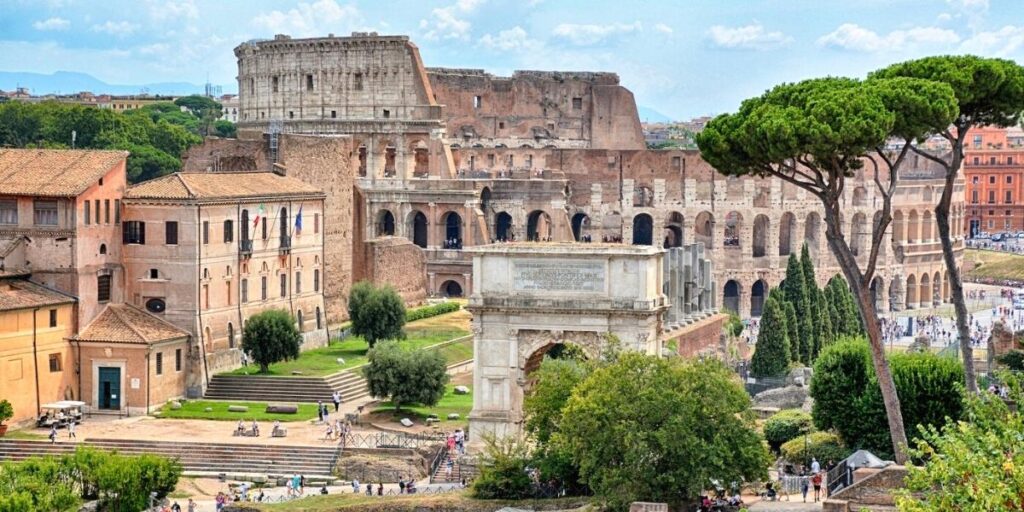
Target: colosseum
421 163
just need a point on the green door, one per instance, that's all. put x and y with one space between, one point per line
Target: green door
110 388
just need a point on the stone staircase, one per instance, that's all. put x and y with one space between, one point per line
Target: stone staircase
458 472
313 462
258 388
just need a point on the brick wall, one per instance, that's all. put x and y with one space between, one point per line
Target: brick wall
397 262
700 336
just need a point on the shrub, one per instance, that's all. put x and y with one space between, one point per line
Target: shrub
786 425
734 326
6 411
430 311
824 446
406 376
1014 360
503 470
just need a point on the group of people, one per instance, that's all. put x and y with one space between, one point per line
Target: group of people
404 487
70 427
190 507
453 243
240 428
802 479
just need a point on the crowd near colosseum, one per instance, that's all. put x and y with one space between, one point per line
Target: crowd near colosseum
419 164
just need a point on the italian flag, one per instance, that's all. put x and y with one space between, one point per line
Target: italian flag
259 214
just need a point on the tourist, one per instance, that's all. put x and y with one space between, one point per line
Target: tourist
323 490
380 489
337 400
804 487
277 428
816 481
53 433
191 506
450 443
302 484
448 468
255 428
369 489
175 507
329 433
241 428
320 411
71 430
245 359
297 484
220 500
288 487
815 466
355 486
401 485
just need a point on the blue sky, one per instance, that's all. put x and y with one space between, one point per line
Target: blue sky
684 58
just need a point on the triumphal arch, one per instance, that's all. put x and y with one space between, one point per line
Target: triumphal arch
532 297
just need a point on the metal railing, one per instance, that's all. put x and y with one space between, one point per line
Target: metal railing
389 440
838 478
245 248
286 245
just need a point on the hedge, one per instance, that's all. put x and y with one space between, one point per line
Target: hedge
824 446
786 425
429 311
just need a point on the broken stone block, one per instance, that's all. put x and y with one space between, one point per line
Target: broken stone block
461 390
406 422
238 408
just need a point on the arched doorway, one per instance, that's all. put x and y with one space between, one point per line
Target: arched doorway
385 223
812 230
580 222
451 289
878 293
703 227
643 229
937 288
503 227
553 350
859 241
419 229
538 226
485 199
787 232
911 301
731 296
925 295
421 160
733 226
452 230
761 226
674 231
757 293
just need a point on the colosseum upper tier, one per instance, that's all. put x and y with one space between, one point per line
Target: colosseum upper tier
446 159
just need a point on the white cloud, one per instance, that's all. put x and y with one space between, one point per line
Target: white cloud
115 28
1000 43
449 22
663 28
513 39
309 19
584 35
747 37
170 10
850 36
944 16
52 24
969 4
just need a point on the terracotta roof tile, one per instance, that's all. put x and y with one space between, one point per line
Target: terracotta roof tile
54 172
124 323
220 185
22 294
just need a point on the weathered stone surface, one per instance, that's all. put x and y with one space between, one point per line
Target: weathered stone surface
453 416
175 406
789 397
640 506
283 408
406 422
461 390
238 408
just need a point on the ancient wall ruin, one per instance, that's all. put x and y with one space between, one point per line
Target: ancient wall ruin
396 262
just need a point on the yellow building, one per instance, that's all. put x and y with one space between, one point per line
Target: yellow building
36 363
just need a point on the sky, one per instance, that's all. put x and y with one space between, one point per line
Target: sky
683 58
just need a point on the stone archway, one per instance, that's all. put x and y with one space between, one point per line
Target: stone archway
535 344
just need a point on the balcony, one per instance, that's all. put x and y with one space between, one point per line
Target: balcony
285 247
245 249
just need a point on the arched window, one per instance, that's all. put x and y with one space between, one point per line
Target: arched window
503 227
103 248
643 229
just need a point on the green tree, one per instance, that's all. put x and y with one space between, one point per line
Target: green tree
785 425
650 429
226 129
793 331
271 336
771 354
795 290
988 92
553 384
503 470
824 446
814 135
405 376
842 308
376 313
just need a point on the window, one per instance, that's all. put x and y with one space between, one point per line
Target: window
977 142
477 101
252 85
298 282
316 280
206 232
101 182
977 160
206 296
106 211
154 273
156 305
357 81
117 211
134 232
159 363
273 84
96 205
45 213
103 248
103 288
991 197
1009 213
244 290
231 335
991 180
53 318
243 226
992 160
1009 180
316 223
171 233
974 197
577 103
1009 160
387 114
1008 199
974 180
284 284
490 160
291 114
501 125
177 359
263 288
8 212
334 114
228 290
86 209
299 321
264 221
309 82
55 363
229 231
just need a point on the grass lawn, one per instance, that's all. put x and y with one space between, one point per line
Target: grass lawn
449 404
26 435
324 361
194 410
995 265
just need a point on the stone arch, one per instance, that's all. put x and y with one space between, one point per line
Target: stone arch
580 224
812 232
878 293
704 229
535 344
643 196
538 226
451 288
418 228
643 229
860 197
937 288
503 227
452 229
912 291
859 240
385 223
896 296
899 228
925 295
733 229
927 226
731 296
673 230
757 294
761 227
787 232
913 227
485 199
421 159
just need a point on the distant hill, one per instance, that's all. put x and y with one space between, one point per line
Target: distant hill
68 82
648 115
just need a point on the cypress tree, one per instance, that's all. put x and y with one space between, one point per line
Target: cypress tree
793 325
771 354
795 291
827 334
814 295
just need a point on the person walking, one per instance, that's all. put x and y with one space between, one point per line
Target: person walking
71 430
804 486
816 482
337 400
191 506
53 433
320 411
815 465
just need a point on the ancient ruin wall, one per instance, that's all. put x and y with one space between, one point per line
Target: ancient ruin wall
228 155
397 262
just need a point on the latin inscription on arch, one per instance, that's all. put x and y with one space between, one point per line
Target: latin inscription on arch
558 275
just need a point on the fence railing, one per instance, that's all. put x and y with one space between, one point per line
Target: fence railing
392 440
839 478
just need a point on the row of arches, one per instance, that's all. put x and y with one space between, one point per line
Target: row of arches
539 227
